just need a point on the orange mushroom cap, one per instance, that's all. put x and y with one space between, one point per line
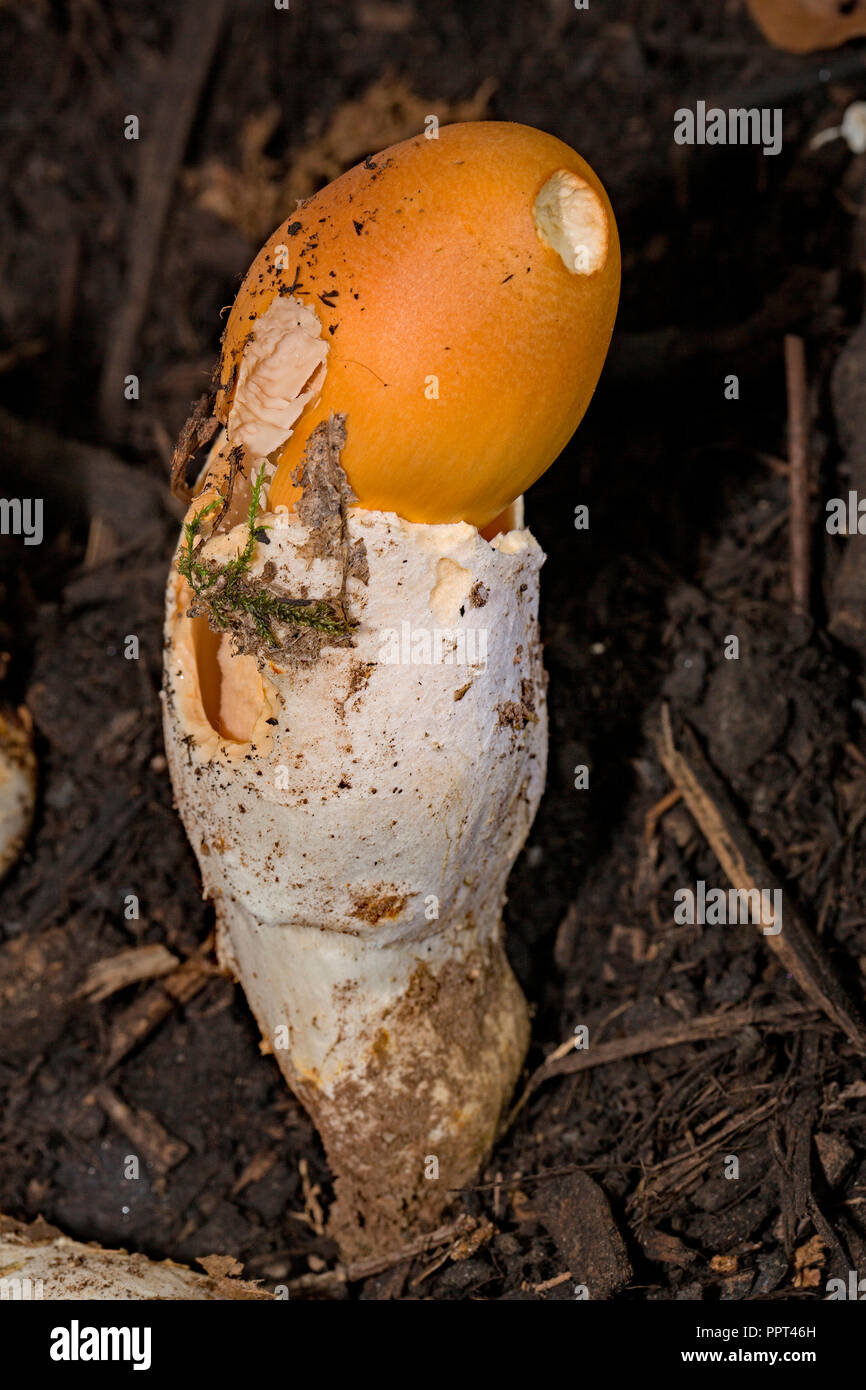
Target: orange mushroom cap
462 349
802 26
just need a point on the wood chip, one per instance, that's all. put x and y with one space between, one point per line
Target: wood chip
147 1012
464 1245
577 1215
160 1150
258 1167
812 1253
835 1155
666 1249
220 1266
377 1264
312 1206
724 1264
114 973
553 1283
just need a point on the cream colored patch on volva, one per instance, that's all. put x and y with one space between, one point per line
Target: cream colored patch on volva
451 589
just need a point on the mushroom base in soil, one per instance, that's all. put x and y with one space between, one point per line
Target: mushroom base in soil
354 692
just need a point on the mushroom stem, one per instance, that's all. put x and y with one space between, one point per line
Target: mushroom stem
358 843
409 1091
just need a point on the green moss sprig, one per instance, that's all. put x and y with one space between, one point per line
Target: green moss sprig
226 592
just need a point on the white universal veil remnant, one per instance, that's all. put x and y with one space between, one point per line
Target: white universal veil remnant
354 693
38 1262
17 784
358 841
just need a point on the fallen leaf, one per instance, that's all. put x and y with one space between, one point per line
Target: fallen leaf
258 196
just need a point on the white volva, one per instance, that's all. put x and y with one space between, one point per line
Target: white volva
357 845
38 1262
17 785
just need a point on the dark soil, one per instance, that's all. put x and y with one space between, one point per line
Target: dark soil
615 1174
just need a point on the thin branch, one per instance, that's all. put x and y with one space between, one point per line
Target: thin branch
798 473
165 136
745 867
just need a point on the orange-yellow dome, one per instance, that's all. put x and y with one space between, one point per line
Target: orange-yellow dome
462 349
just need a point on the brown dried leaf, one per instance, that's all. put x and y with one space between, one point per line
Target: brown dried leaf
255 198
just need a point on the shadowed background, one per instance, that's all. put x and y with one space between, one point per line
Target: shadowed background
120 257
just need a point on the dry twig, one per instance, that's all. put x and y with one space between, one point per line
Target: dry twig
710 803
716 1025
454 1234
163 145
798 473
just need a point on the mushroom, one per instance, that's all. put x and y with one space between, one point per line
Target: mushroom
37 1261
461 345
802 26
354 693
17 784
